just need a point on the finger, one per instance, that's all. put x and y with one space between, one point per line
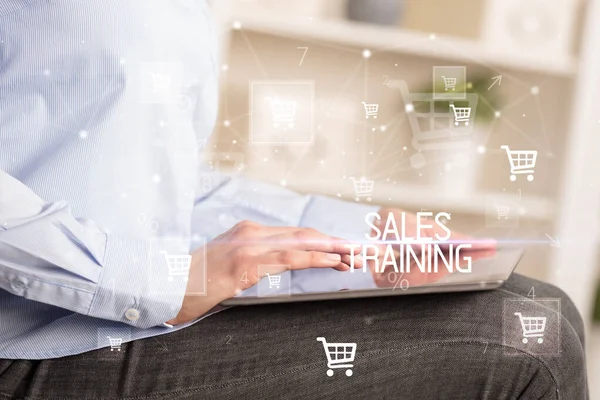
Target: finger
278 237
475 243
312 240
278 230
298 259
458 238
485 244
479 254
353 261
282 230
255 230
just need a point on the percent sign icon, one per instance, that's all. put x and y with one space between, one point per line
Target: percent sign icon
396 279
148 222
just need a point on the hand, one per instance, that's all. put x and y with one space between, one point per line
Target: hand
238 252
424 229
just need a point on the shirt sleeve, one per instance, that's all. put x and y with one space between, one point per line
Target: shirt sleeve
48 255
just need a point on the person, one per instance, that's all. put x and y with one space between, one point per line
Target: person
101 178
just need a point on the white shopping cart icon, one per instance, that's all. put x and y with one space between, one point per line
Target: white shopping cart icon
179 265
363 187
449 83
371 109
503 211
274 280
434 123
533 327
339 355
521 162
161 83
461 114
284 113
115 343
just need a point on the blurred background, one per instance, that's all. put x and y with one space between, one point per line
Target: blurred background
530 65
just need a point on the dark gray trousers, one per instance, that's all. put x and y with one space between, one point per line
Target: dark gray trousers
442 346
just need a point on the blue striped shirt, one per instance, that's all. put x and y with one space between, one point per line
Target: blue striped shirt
102 106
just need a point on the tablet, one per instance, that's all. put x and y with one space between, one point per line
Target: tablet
486 274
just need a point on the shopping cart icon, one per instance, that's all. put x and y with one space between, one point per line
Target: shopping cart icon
533 327
363 187
179 265
433 122
461 114
503 211
521 162
284 113
449 83
371 109
115 343
274 280
339 355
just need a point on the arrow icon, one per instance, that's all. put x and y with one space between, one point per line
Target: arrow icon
497 80
555 243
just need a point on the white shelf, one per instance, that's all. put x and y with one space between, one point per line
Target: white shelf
390 39
420 196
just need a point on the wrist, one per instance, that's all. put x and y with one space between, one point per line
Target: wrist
205 290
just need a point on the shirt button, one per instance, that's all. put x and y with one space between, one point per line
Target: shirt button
132 314
18 285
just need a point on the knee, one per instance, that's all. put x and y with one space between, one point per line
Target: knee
522 285
568 366
564 359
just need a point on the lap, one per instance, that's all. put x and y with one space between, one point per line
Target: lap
426 346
